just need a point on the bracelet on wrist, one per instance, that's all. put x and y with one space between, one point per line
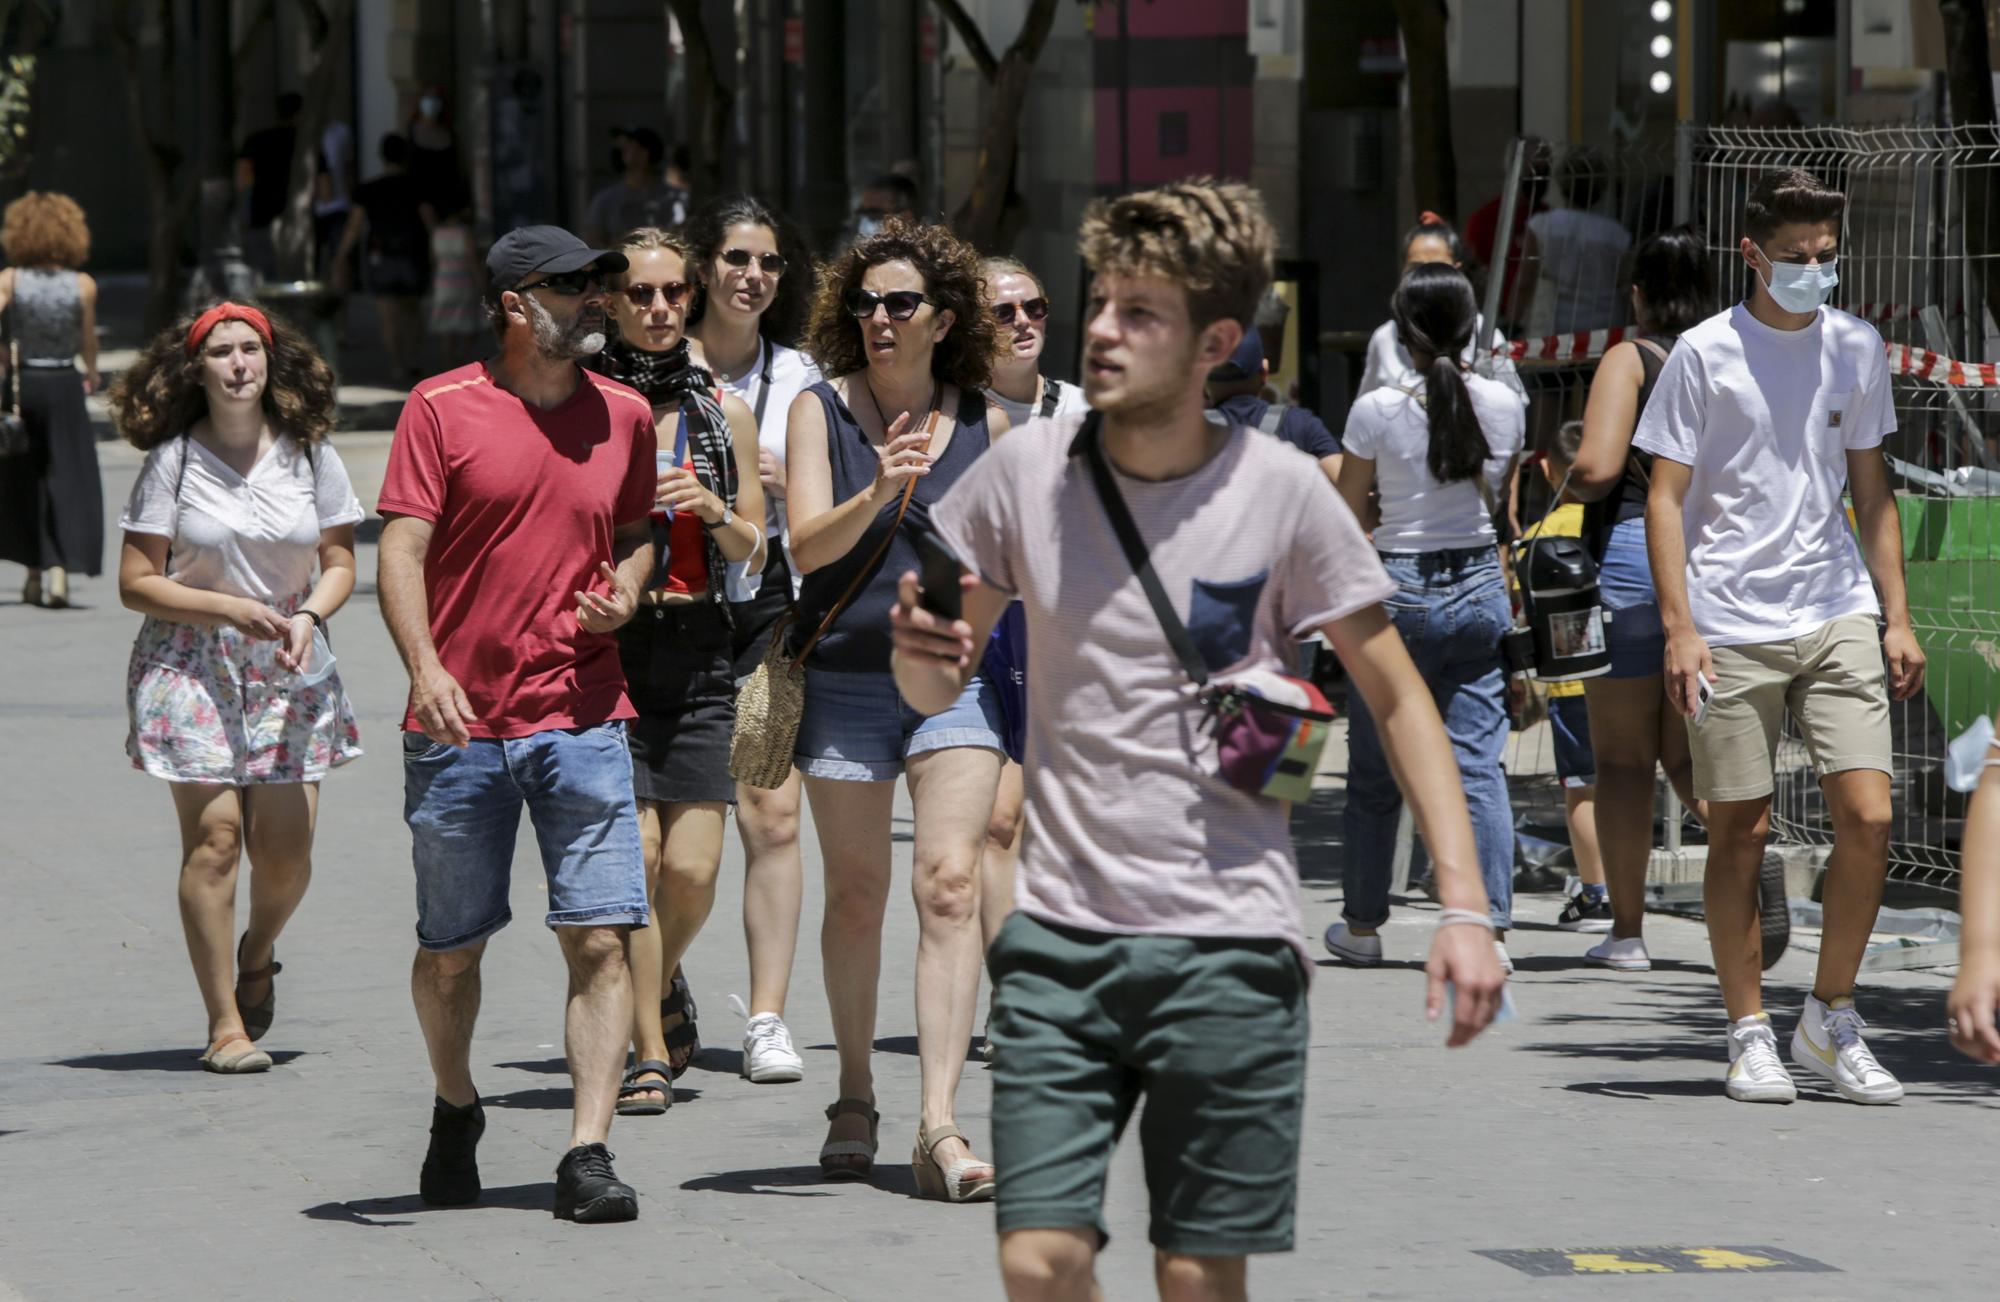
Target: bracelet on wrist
1463 918
319 620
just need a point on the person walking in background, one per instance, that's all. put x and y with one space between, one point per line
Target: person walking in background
1970 1010
264 181
1671 291
1482 228
1235 390
1158 947
456 317
228 697
1439 454
1019 303
754 280
889 197
516 544
676 651
1572 254
1388 363
900 326
1586 904
640 196
51 499
1762 415
395 212
435 164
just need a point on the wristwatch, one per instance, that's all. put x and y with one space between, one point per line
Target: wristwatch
728 515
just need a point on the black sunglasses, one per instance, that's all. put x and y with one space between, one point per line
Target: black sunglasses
641 296
1035 309
902 303
569 284
770 263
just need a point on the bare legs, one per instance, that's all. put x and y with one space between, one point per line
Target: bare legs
1003 851
773 886
1736 833
1059 1266
1580 808
683 851
1649 733
445 988
852 819
1859 803
213 833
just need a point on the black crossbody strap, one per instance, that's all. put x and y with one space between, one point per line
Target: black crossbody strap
1135 552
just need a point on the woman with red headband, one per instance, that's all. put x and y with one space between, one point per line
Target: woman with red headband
239 546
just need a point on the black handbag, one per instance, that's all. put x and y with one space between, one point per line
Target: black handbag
13 428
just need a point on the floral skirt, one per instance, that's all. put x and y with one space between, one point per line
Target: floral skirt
208 704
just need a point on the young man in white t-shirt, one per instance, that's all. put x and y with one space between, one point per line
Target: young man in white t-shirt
1158 947
1760 416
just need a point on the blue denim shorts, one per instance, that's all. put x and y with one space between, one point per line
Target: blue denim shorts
464 807
857 729
1569 724
1635 637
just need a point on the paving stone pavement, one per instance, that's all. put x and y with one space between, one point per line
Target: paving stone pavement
1594 1122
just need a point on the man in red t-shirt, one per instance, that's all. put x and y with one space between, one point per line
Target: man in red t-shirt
516 543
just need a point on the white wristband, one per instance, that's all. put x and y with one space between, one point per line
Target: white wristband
1463 918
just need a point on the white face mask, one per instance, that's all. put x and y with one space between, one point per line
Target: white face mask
866 226
430 106
1798 287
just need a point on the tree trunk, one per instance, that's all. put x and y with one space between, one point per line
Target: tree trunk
984 219
711 100
153 125
1969 82
292 233
1433 163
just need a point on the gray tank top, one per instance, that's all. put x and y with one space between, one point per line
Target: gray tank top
46 316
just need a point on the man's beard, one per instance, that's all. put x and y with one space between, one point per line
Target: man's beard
564 342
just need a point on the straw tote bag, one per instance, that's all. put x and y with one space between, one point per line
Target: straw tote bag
769 707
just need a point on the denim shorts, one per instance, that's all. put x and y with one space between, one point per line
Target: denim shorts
857 728
1635 637
1569 725
464 807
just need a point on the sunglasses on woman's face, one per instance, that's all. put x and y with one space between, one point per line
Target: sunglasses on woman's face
569 284
770 263
1034 309
641 296
901 303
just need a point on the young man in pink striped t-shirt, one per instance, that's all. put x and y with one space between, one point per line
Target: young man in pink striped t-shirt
1158 945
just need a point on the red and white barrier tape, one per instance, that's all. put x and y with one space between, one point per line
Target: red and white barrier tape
1904 359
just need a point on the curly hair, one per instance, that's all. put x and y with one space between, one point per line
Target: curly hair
784 321
160 395
43 228
950 269
1213 237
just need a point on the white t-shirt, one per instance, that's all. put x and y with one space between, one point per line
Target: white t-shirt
1581 256
1391 428
791 373
1765 419
1069 402
256 537
1389 363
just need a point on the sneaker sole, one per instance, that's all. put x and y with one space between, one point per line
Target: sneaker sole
1762 1093
1592 926
1621 964
610 1207
1774 911
1852 1093
774 1075
1355 960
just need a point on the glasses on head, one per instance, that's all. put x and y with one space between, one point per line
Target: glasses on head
569 284
769 263
1034 309
902 304
641 296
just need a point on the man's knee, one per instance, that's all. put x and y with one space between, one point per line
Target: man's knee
1182 1276
592 949
451 964
1046 1263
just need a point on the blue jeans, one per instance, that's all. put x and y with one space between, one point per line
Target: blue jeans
1450 608
464 807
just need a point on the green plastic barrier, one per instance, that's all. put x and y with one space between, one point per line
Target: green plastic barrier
1951 549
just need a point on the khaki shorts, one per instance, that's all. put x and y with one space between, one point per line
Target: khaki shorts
1831 680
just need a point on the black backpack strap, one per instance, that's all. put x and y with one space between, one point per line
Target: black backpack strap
1122 524
1051 394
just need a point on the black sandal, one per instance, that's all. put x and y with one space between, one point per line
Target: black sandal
631 1102
680 1003
257 1017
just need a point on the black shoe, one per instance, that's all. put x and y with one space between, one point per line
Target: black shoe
451 1167
587 1189
1586 912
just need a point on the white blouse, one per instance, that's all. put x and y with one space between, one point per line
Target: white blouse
255 536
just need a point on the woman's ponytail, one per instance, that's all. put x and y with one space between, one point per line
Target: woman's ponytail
1434 312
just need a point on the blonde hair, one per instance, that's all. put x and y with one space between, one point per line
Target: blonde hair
993 268
646 239
1212 237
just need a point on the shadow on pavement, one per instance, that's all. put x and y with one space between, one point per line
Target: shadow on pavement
156 1060
547 1066
905 1045
891 1177
517 1197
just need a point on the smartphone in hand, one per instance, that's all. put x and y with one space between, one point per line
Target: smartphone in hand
938 574
1704 692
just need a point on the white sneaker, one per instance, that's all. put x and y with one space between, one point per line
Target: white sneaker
1620 954
1755 1073
1500 952
768 1055
1828 1043
1353 950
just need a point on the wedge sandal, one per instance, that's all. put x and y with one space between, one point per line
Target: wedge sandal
850 1159
949 1184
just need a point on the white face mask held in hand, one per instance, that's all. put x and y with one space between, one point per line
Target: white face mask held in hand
320 667
1965 759
1799 287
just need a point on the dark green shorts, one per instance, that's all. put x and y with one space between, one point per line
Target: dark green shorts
1212 1032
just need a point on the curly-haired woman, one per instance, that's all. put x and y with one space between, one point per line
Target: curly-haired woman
51 504
676 650
756 280
900 325
232 698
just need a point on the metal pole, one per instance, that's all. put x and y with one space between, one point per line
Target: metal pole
1496 269
1684 174
825 121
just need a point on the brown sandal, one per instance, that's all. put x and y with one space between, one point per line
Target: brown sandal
948 1183
836 1155
257 1017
